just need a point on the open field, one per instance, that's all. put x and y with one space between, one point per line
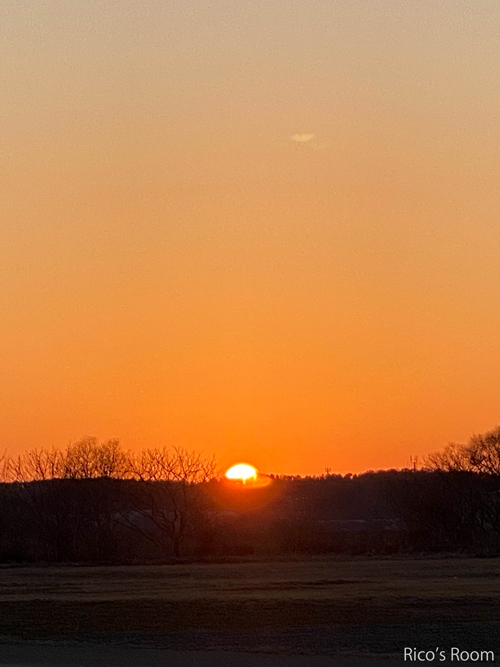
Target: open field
328 607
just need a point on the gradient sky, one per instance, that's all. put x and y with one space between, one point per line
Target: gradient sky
267 230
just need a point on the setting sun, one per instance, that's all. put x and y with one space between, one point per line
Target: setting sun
242 471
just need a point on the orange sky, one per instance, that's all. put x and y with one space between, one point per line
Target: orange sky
268 232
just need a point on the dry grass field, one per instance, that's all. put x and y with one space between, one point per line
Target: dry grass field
315 606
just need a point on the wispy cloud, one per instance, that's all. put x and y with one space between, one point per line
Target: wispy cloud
302 138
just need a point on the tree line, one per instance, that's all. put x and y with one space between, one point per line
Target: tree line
89 459
94 502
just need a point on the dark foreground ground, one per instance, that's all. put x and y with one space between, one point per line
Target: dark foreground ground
291 614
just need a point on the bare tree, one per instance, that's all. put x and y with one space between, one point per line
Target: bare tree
4 462
41 464
15 469
454 457
481 454
87 459
479 458
170 500
484 452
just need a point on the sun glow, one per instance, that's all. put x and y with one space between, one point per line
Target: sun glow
243 472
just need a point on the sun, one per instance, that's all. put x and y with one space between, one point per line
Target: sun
243 472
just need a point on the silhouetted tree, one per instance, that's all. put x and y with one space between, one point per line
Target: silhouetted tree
481 454
89 459
168 497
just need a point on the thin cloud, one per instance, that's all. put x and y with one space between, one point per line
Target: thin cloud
302 138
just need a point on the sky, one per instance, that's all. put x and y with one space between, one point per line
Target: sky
264 230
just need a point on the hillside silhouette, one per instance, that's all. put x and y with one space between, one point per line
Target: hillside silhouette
93 502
